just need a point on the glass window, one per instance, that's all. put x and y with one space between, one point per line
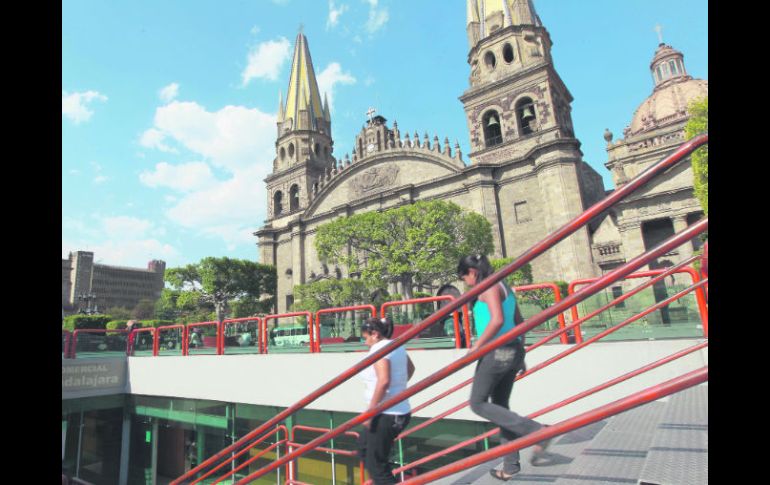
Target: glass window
660 74
672 65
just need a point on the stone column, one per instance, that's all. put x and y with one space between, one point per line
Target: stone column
633 242
685 250
483 201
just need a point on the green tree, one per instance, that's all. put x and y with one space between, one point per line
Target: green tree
522 276
330 293
144 309
119 313
696 125
414 244
218 282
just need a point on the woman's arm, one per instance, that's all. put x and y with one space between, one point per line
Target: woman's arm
495 304
409 368
382 370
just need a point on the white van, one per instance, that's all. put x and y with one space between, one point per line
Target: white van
290 336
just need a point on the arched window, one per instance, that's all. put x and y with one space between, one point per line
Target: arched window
490 61
525 114
508 53
294 197
493 134
277 203
283 153
291 150
317 149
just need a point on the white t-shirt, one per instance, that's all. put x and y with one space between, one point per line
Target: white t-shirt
398 378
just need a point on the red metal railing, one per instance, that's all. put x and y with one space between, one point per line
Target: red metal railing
553 359
241 321
484 285
74 341
246 463
431 299
158 334
333 451
552 407
699 295
326 311
133 338
67 335
556 298
308 316
636 399
218 337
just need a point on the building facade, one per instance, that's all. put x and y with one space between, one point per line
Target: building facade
109 286
667 205
525 172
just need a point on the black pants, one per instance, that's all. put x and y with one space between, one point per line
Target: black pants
375 444
492 386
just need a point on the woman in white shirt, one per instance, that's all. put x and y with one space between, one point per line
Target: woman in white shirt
384 379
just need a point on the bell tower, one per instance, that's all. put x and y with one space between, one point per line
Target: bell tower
304 145
519 119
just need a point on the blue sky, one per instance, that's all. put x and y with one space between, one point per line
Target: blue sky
168 107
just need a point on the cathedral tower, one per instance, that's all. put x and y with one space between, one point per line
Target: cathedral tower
518 113
304 144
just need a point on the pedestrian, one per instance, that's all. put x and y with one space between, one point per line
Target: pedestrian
383 380
495 312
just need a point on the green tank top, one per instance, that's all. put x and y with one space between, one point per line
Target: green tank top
481 315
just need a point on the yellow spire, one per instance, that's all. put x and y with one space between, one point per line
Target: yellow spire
517 12
303 94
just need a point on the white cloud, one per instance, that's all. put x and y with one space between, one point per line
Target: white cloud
100 179
265 60
334 14
169 92
118 240
183 178
75 105
378 17
238 140
331 76
153 138
232 138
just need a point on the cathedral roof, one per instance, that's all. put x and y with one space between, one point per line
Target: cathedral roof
674 91
303 93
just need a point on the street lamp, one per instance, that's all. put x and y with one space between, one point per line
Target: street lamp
88 298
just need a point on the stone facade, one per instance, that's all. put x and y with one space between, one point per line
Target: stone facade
525 172
667 205
112 286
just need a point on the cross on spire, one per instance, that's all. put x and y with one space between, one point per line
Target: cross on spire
370 113
659 30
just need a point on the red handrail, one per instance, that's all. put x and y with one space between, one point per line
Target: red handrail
133 336
431 299
74 341
186 342
554 334
508 336
275 430
67 338
699 295
324 311
232 321
565 402
564 353
156 350
292 443
556 299
640 180
644 396
307 315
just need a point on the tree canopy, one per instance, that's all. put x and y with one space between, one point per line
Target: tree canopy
414 244
328 293
218 283
696 125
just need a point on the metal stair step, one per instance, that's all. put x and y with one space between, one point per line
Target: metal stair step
563 450
678 454
618 453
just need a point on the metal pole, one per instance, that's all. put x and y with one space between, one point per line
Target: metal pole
154 452
331 445
80 442
125 443
401 457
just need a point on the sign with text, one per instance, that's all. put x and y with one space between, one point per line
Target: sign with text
93 376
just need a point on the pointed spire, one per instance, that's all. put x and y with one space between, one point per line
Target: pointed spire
280 106
303 93
507 20
327 114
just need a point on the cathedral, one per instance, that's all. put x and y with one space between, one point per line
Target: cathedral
525 171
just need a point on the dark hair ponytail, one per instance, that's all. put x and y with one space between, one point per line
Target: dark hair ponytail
479 262
383 325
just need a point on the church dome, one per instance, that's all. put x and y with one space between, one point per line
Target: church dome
674 91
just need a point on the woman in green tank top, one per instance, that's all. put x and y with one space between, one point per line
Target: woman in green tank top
495 313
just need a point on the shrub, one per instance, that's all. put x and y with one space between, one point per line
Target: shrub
79 321
116 324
